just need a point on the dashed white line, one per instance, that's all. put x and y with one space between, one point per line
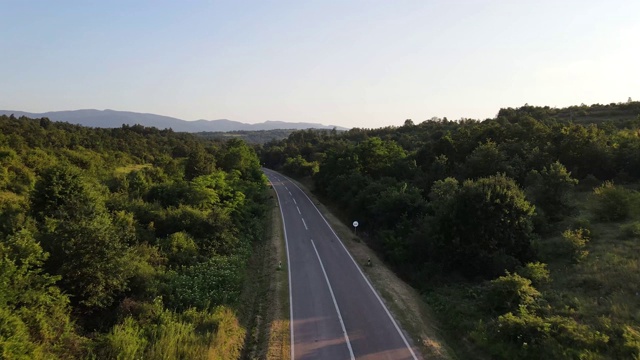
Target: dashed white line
344 330
286 187
305 224
294 201
299 211
290 193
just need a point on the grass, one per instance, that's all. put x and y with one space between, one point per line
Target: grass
404 302
264 299
279 342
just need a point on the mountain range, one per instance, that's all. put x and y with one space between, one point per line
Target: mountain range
113 119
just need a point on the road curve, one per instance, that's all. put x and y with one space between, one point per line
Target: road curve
335 312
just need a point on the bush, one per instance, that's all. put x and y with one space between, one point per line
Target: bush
509 292
153 332
537 272
575 243
125 341
613 203
631 336
180 248
524 335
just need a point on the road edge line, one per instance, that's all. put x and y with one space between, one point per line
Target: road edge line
286 241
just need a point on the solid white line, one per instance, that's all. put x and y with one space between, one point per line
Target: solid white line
299 211
286 241
335 303
361 273
305 224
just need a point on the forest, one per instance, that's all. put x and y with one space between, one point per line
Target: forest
126 243
521 232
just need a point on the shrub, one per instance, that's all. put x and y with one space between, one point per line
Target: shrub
153 332
575 243
613 203
524 335
180 248
125 341
15 342
631 336
537 272
509 292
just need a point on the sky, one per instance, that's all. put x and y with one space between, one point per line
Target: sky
361 64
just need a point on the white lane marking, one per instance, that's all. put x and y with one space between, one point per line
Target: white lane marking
299 211
335 303
290 193
362 274
294 201
286 187
305 224
286 241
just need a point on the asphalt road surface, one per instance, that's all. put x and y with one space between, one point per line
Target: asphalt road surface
336 314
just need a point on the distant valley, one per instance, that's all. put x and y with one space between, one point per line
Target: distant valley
114 119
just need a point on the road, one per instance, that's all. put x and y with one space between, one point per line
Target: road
336 314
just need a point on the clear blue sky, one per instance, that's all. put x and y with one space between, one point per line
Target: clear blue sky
348 63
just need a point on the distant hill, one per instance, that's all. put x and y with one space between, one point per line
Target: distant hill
114 119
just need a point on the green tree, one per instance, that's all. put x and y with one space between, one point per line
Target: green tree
199 163
377 156
613 203
237 155
485 160
34 314
298 166
86 249
550 188
480 228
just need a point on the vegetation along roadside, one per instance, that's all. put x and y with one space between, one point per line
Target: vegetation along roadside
519 232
